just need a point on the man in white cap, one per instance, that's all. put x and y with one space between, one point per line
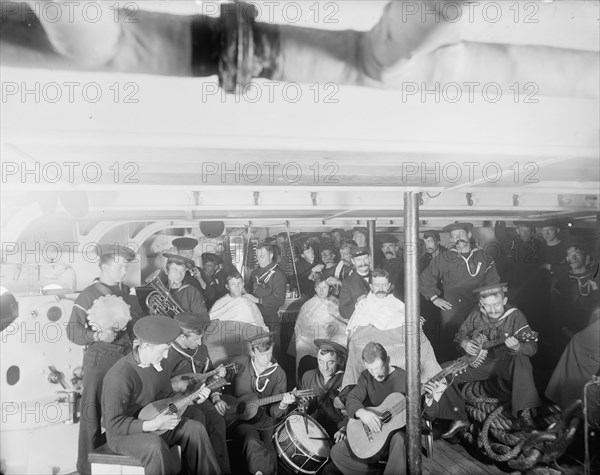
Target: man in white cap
138 380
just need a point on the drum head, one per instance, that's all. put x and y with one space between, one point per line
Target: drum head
315 441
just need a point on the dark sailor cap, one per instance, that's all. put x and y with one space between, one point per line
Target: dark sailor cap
430 233
207 256
361 251
194 322
331 345
262 335
550 223
115 250
179 259
385 238
156 329
491 289
454 226
528 224
185 243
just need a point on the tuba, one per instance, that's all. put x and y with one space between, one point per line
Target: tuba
160 301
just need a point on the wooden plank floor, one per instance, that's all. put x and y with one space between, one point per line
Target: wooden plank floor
450 459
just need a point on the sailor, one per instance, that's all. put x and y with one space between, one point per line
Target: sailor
216 275
138 380
188 355
326 380
102 348
509 360
259 377
189 298
266 287
356 285
459 270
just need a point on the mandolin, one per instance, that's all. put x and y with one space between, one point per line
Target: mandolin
175 405
524 334
194 379
246 407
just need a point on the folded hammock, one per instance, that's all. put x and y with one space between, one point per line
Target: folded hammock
394 343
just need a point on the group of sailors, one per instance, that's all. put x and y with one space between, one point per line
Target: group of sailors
127 367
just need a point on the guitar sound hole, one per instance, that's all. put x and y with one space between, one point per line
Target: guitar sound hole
172 408
241 407
386 417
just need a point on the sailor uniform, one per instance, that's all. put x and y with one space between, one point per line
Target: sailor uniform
127 389
459 275
98 358
257 437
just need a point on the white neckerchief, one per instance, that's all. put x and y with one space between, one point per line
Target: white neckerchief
466 259
191 358
272 368
157 366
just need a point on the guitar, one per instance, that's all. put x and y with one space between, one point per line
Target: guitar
174 405
524 334
246 407
193 380
392 412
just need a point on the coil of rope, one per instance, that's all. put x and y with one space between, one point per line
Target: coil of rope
503 438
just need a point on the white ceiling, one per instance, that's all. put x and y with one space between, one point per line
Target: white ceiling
196 153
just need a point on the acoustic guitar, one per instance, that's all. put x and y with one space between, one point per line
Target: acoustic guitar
175 405
392 411
246 407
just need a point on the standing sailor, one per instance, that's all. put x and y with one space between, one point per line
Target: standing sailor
102 348
460 270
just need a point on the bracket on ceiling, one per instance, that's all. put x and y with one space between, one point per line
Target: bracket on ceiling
469 197
515 200
256 197
313 197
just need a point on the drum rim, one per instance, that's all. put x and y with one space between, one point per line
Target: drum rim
302 446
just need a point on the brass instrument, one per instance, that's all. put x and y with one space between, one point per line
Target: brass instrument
160 301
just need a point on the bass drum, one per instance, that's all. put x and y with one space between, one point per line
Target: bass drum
302 450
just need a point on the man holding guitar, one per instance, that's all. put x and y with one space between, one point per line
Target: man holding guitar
134 383
261 377
504 329
188 361
375 384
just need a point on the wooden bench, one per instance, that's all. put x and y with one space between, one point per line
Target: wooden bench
105 462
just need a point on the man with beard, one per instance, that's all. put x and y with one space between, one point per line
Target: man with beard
393 264
459 270
102 348
138 380
266 288
356 285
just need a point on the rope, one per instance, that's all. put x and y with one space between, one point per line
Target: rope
504 439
